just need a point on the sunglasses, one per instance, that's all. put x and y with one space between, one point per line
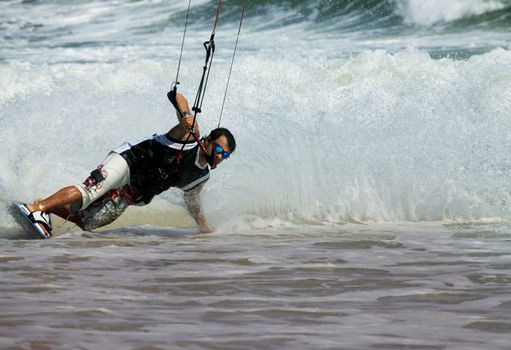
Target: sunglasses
219 149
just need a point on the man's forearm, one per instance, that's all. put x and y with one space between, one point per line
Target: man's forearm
183 105
200 219
195 210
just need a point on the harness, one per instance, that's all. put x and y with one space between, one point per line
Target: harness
154 168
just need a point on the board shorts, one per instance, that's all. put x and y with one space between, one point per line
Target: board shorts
106 193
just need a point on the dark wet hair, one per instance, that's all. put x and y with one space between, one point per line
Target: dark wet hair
218 132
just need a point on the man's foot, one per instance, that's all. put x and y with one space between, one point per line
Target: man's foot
40 220
33 206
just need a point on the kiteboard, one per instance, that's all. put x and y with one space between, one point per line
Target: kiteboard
34 224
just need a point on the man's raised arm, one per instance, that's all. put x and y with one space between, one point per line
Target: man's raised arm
181 131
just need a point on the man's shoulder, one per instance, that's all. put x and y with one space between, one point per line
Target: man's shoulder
170 142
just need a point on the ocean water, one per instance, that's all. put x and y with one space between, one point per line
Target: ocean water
368 204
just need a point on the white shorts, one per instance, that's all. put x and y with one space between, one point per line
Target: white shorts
112 173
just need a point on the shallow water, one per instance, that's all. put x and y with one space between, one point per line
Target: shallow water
427 286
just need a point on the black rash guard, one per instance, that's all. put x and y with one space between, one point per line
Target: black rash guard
155 166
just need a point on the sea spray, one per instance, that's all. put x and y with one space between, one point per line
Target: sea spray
378 137
337 119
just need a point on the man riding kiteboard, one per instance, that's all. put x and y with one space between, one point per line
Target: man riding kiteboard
135 172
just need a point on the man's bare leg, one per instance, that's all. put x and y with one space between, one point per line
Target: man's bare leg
59 203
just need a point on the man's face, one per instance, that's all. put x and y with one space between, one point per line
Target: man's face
222 142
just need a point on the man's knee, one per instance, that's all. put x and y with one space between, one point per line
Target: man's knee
102 211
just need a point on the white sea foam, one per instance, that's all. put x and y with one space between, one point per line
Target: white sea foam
428 12
381 137
384 137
